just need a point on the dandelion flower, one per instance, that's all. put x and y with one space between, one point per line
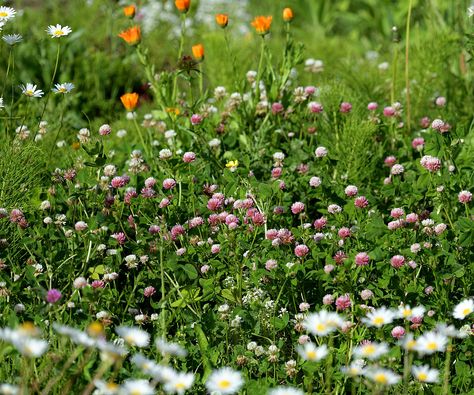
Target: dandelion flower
379 317
58 31
12 39
425 374
463 309
431 342
179 384
382 376
371 350
224 381
31 91
309 352
134 336
63 88
6 13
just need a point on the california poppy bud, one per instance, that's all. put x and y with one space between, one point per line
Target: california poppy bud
222 20
183 5
288 15
129 11
129 101
132 35
262 24
198 51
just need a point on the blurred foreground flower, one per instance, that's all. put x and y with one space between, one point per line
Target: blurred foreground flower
132 35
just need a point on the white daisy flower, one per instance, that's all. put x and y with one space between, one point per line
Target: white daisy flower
430 343
58 31
31 347
165 374
406 312
9 389
309 352
12 39
179 384
110 351
448 330
463 309
356 368
285 391
134 336
146 365
425 374
168 348
30 90
379 317
224 381
371 351
136 387
64 88
408 342
322 323
382 376
6 13
106 388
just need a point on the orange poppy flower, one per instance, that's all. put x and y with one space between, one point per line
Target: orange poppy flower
182 5
129 101
132 35
130 11
262 24
222 20
198 51
288 15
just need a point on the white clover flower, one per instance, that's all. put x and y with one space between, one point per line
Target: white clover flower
309 352
31 91
224 381
58 31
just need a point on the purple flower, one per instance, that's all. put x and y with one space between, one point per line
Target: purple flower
53 295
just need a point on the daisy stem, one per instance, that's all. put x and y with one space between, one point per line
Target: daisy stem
162 278
407 77
260 71
140 134
103 367
329 365
53 381
447 368
180 54
201 81
48 94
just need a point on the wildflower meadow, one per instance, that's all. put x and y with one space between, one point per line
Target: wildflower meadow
236 197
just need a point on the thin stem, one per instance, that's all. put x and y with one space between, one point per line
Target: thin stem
53 381
10 53
447 369
163 294
48 94
260 71
180 54
407 76
140 134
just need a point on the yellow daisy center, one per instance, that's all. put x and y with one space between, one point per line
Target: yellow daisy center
422 376
380 378
407 312
111 386
3 14
58 32
224 384
179 386
320 327
378 320
311 354
135 392
432 346
29 92
370 349
411 344
466 311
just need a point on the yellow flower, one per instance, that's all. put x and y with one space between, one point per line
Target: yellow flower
232 165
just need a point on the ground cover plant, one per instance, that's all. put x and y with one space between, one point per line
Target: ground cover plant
204 198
